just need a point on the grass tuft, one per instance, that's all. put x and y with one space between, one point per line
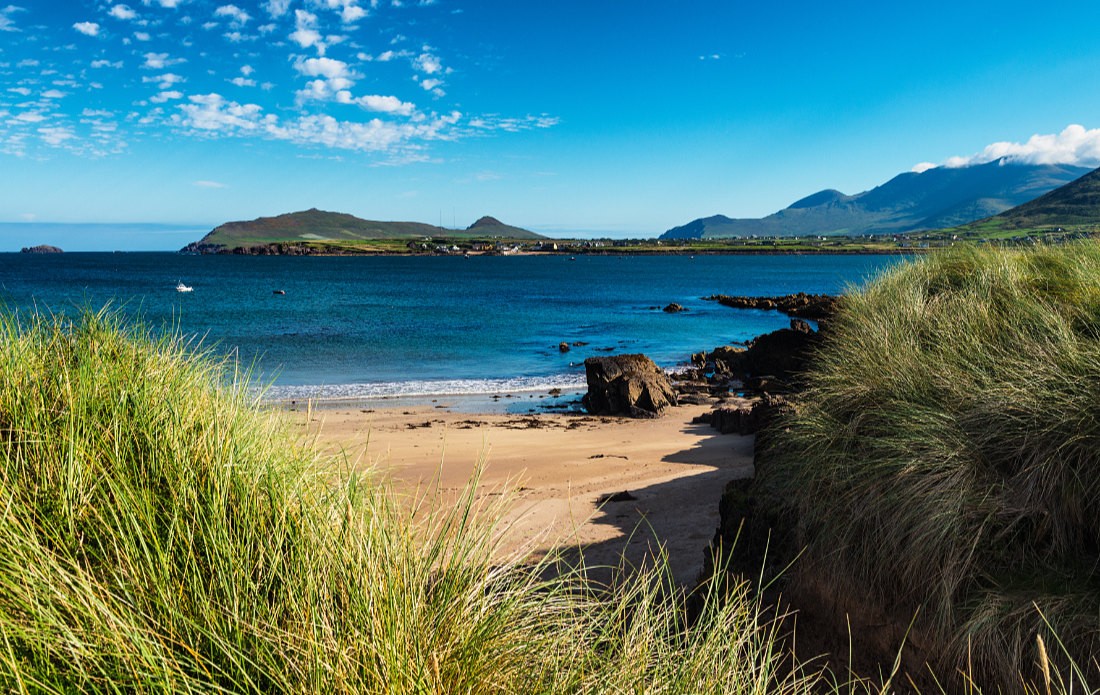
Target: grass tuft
946 457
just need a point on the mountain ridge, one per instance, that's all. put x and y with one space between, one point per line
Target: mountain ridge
1075 204
934 199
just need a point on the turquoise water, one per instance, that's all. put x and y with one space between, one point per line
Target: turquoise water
360 327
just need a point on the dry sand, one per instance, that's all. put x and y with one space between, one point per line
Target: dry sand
555 468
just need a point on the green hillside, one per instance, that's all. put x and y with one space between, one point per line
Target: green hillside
1075 205
320 226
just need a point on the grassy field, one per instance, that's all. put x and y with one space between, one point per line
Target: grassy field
946 461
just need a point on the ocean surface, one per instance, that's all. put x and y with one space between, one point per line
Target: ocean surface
360 328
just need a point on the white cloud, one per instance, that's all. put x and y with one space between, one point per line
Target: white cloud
428 64
106 64
208 184
167 4
6 22
386 104
386 57
277 8
122 12
922 167
305 32
243 82
349 10
159 61
329 68
164 81
87 28
212 113
164 96
1074 145
30 117
55 136
247 70
513 125
142 36
236 15
23 91
52 94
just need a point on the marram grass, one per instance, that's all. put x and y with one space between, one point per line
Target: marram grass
947 457
161 533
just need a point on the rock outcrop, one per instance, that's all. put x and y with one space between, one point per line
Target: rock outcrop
41 248
627 385
807 306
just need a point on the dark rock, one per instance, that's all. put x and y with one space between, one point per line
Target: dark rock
767 384
782 354
673 308
627 385
744 420
807 306
41 248
623 496
563 347
801 326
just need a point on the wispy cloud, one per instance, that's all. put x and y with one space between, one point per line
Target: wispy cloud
1075 145
6 21
237 16
209 184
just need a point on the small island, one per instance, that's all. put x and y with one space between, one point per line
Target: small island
41 248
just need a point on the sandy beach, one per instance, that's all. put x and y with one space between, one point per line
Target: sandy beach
555 469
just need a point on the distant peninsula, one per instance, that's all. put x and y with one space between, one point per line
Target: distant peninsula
314 231
41 248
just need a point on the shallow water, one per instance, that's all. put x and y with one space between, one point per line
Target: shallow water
362 327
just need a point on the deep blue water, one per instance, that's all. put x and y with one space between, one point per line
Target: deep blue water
367 326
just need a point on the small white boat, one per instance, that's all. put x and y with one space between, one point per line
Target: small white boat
184 288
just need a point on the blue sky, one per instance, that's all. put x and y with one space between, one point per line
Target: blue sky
571 118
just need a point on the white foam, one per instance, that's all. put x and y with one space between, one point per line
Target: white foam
453 387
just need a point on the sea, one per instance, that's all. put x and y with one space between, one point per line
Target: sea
477 333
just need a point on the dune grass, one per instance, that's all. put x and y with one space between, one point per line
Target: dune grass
160 533
947 457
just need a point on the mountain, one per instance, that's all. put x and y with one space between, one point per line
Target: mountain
1073 205
315 225
492 227
933 199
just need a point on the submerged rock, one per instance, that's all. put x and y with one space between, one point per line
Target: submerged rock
627 385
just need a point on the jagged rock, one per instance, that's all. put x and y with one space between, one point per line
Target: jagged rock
41 248
744 420
673 308
563 347
627 385
780 354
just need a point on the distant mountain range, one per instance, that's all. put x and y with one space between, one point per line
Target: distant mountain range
933 199
315 225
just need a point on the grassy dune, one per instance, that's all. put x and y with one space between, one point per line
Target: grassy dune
947 458
158 533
